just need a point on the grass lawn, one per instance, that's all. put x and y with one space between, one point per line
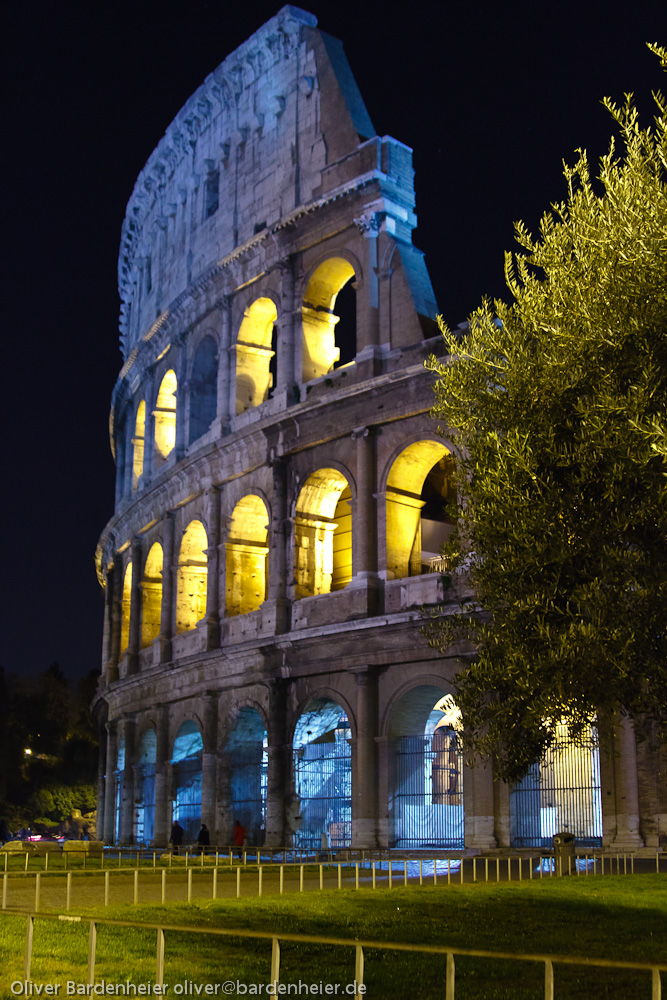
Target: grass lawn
619 918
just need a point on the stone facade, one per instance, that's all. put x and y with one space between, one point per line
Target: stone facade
281 489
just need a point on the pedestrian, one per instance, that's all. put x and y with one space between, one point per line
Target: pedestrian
203 837
240 834
176 836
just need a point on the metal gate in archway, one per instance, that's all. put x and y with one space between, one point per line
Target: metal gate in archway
145 804
428 797
560 794
249 773
323 784
187 796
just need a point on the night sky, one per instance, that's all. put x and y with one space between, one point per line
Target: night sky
491 98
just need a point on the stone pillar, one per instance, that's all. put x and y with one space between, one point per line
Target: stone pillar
368 313
278 768
478 815
224 364
213 570
279 546
120 464
181 386
230 339
386 782
115 587
110 783
101 787
365 771
364 548
149 430
209 764
127 805
168 570
289 341
161 830
618 778
652 788
136 601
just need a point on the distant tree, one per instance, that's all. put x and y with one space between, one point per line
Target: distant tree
559 401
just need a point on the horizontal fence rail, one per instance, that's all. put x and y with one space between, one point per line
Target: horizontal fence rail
449 953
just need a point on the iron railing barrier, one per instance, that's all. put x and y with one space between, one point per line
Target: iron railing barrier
655 969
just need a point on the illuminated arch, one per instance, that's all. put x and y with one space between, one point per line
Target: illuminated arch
254 354
426 799
127 602
318 534
187 779
322 776
165 419
320 350
151 588
203 389
417 525
247 553
138 445
191 582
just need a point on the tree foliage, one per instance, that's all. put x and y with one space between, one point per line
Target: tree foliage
559 401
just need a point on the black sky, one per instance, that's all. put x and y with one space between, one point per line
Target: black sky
490 96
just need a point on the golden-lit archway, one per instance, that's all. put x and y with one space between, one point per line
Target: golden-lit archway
322 527
191 581
151 587
138 445
254 351
420 472
247 554
126 604
165 419
320 352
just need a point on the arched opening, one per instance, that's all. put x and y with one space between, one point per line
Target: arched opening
125 611
247 555
144 817
151 587
191 582
420 500
324 347
322 777
560 793
322 526
203 389
119 776
426 766
247 755
255 349
187 771
165 419
138 446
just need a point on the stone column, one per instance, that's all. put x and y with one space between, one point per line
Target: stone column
289 342
478 815
209 764
168 570
181 386
120 465
115 584
101 787
127 805
224 364
279 546
364 548
386 782
213 569
136 601
365 772
149 430
161 829
618 778
368 314
110 783
278 767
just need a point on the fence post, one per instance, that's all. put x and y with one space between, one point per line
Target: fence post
474 869
451 975
373 870
238 882
520 869
46 862
339 876
420 871
390 873
275 962
159 957
28 947
202 857
356 874
37 891
92 942
164 885
68 901
189 885
461 869
435 871
26 861
4 889
497 869
548 980
486 869
215 883
322 877
282 879
259 881
106 888
656 989
300 878
405 873
359 970
449 870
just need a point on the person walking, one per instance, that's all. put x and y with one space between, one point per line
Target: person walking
176 836
240 834
203 837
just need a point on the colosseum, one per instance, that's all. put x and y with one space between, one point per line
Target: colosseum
282 499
